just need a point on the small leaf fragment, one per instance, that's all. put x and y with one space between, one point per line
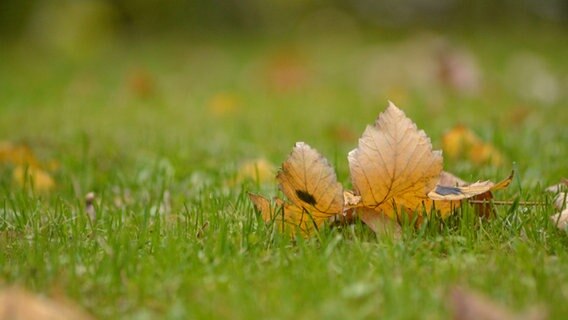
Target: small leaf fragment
442 192
560 219
379 222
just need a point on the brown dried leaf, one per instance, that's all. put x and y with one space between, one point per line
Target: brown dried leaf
224 104
560 219
259 170
467 305
379 223
462 142
394 166
287 218
453 193
17 304
40 180
17 154
452 188
309 181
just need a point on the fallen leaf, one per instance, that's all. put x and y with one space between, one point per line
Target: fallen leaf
459 70
452 188
223 104
39 180
27 168
287 218
462 142
465 191
309 182
17 304
259 170
394 166
141 83
380 223
560 219
286 71
395 174
17 154
468 305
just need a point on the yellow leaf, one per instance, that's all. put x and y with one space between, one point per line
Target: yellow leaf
40 180
454 142
17 154
223 103
259 170
287 218
465 191
379 222
394 166
310 183
462 142
451 189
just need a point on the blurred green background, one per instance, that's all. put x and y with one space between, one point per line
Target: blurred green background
220 81
135 18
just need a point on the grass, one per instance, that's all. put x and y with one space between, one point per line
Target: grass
175 239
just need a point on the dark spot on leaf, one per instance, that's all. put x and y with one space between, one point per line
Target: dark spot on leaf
444 191
306 197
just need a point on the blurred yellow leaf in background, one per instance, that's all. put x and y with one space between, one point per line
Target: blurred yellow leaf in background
259 170
462 143
38 179
27 168
17 154
223 104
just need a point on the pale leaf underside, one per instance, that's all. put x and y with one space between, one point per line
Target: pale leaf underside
560 219
465 191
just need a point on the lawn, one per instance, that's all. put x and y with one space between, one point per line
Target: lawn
159 130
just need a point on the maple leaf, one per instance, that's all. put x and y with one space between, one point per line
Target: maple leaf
394 166
309 182
396 171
